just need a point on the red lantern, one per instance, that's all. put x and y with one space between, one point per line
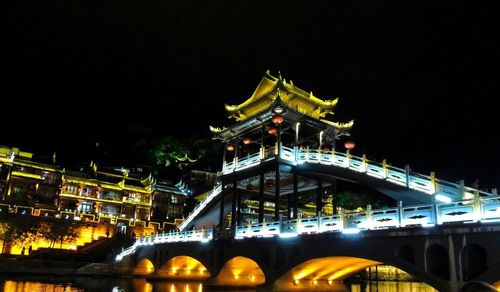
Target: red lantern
349 145
272 131
247 141
230 147
326 149
278 119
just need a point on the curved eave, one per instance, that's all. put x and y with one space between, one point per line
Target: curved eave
290 114
268 86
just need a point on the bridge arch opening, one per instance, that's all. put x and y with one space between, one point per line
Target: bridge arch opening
322 273
437 261
144 267
184 267
241 271
473 261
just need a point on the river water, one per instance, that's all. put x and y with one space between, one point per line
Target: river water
55 284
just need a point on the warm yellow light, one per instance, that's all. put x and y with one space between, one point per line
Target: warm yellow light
311 272
240 271
144 268
183 267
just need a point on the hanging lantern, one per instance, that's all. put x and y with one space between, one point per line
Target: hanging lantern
230 147
326 149
278 119
349 145
247 141
272 131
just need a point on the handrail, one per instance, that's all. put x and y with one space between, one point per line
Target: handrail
484 210
401 176
216 190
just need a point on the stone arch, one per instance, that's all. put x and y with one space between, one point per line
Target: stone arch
240 271
144 268
322 273
406 253
183 267
473 258
437 261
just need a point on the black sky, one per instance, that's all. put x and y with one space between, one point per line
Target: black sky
420 78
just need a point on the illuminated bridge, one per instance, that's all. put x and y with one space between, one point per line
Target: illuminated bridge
282 150
318 253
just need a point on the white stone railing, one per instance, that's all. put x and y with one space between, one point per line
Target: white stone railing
197 209
444 191
484 210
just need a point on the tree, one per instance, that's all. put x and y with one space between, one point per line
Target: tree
351 200
15 228
58 231
169 150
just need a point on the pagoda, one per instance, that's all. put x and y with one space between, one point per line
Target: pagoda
259 149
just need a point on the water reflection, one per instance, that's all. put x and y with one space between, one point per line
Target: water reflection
388 286
59 284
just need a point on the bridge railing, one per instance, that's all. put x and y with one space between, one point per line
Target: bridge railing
428 184
198 208
467 211
479 209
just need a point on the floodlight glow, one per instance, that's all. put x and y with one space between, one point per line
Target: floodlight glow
351 231
443 199
287 235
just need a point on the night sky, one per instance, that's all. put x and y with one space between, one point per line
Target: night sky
419 78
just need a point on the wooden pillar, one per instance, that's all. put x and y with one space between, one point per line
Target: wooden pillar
295 196
319 194
233 205
277 194
224 157
261 198
238 206
221 210
289 206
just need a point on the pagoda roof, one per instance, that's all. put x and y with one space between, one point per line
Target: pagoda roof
269 89
276 92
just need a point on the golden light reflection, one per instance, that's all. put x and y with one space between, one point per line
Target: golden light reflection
183 267
497 285
392 286
15 286
322 272
141 285
144 268
240 271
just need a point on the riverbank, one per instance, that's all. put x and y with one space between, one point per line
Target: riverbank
69 267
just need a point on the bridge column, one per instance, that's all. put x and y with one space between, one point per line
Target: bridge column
295 196
221 209
261 198
277 195
238 211
319 195
224 158
233 205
